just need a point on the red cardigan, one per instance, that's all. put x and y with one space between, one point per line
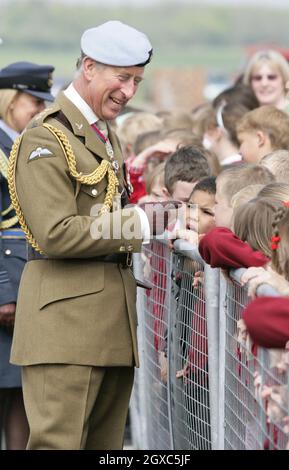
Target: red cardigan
221 248
267 320
138 184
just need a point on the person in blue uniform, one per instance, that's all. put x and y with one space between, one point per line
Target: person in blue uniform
24 88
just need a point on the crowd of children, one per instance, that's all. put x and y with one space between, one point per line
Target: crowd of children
228 163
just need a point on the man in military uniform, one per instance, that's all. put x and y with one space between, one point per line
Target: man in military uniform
75 330
23 88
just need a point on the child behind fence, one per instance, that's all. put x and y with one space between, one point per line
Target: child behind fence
221 248
261 132
199 220
272 274
253 225
200 214
275 395
183 169
192 323
232 180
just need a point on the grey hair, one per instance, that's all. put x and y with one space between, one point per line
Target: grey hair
79 64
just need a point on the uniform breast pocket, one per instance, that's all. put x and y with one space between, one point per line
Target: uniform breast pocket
89 195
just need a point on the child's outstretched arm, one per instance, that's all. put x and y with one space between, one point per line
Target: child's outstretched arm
221 248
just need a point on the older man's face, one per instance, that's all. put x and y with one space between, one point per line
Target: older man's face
110 88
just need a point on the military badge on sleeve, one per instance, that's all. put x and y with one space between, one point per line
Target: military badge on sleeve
40 153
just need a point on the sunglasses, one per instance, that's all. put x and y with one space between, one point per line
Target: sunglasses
270 77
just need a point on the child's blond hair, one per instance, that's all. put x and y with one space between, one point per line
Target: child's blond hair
276 191
231 180
271 121
253 223
145 140
177 119
134 125
278 163
151 177
245 195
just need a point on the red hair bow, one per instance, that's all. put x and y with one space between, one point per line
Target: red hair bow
275 241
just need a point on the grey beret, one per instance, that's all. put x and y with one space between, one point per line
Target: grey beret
115 43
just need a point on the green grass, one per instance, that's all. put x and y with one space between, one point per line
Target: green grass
225 59
64 62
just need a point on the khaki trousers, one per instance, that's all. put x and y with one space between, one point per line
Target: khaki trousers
76 407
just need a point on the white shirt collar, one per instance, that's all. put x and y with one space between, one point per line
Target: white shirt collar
81 105
8 130
231 159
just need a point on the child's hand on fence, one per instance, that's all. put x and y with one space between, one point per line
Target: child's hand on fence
188 235
257 384
163 362
277 402
250 274
183 373
254 277
278 360
199 279
147 269
242 332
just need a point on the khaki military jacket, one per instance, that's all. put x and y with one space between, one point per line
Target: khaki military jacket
72 308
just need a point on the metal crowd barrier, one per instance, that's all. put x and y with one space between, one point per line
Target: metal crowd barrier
254 380
202 384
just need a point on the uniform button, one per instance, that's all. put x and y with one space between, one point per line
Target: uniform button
7 252
94 192
122 248
129 248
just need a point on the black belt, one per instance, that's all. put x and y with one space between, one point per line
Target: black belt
124 259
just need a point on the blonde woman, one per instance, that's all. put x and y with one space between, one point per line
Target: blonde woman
268 73
23 88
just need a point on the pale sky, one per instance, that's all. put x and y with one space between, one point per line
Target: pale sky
135 3
261 3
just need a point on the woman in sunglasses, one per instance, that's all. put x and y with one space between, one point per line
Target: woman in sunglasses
267 73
